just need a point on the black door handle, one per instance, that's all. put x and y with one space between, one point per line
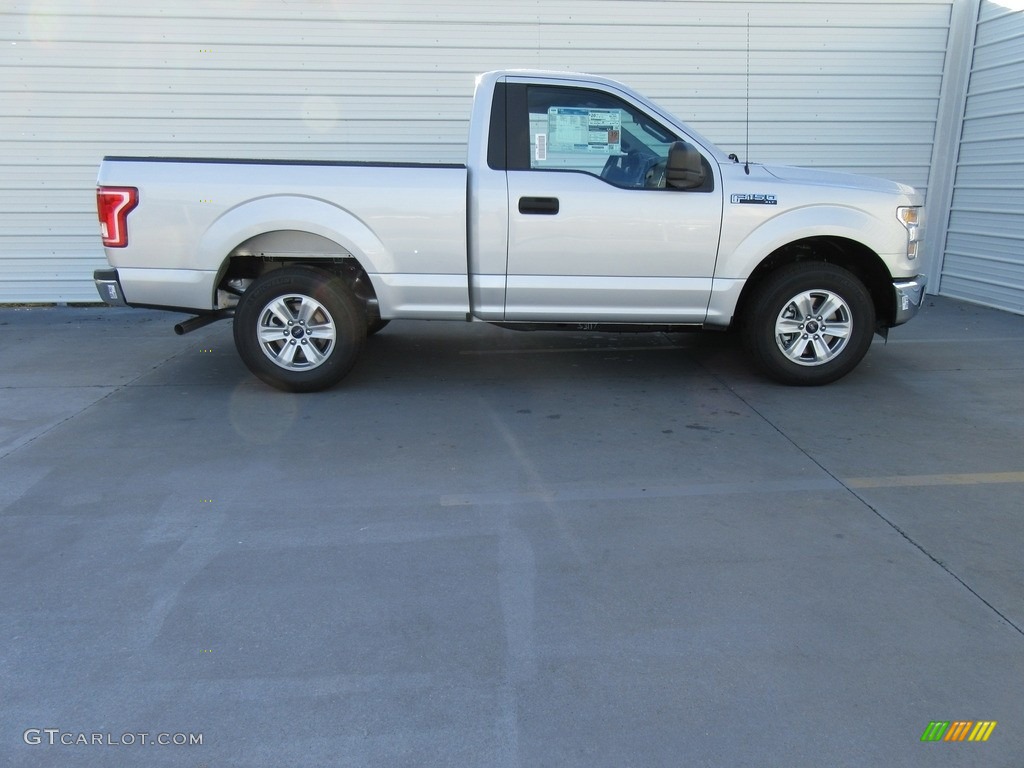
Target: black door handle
544 206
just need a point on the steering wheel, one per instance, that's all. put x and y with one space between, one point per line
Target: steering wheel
655 178
630 170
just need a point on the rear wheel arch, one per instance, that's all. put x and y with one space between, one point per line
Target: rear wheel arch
279 249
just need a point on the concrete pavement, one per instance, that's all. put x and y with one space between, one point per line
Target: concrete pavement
488 548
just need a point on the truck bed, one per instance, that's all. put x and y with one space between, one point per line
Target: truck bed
405 222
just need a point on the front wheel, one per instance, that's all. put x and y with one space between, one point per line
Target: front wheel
299 329
810 324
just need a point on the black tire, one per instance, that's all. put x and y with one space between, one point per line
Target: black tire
375 324
809 324
322 329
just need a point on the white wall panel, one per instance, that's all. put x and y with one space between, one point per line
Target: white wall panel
983 259
843 85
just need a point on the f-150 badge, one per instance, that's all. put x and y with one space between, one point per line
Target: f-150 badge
754 200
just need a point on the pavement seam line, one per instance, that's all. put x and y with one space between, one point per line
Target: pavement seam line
86 407
866 503
929 555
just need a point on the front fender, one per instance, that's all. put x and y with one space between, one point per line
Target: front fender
745 244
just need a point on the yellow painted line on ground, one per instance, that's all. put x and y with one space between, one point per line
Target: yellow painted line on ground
914 481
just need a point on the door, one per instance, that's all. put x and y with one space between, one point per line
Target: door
598 232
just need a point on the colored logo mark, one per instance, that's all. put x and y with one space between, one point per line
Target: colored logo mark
958 730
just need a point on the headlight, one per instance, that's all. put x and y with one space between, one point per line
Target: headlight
910 217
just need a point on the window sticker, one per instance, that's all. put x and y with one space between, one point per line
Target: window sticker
590 131
541 147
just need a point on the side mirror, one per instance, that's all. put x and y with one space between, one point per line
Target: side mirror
685 168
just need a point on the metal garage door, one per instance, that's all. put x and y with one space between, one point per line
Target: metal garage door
984 252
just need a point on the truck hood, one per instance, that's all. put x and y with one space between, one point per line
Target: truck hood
834 179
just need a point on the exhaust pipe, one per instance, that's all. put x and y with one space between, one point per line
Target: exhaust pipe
197 322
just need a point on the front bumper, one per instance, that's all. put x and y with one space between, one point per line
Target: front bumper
108 285
908 296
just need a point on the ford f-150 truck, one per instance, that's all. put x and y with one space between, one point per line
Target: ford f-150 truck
581 203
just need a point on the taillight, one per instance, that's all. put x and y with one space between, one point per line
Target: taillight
113 205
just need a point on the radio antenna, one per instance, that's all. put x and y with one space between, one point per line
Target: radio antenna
746 163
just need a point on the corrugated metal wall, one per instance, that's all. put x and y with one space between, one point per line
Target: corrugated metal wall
852 86
984 251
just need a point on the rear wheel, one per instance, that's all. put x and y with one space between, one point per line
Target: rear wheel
299 329
810 324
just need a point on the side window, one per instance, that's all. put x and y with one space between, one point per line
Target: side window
576 129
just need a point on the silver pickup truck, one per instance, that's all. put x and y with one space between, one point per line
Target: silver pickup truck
581 202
